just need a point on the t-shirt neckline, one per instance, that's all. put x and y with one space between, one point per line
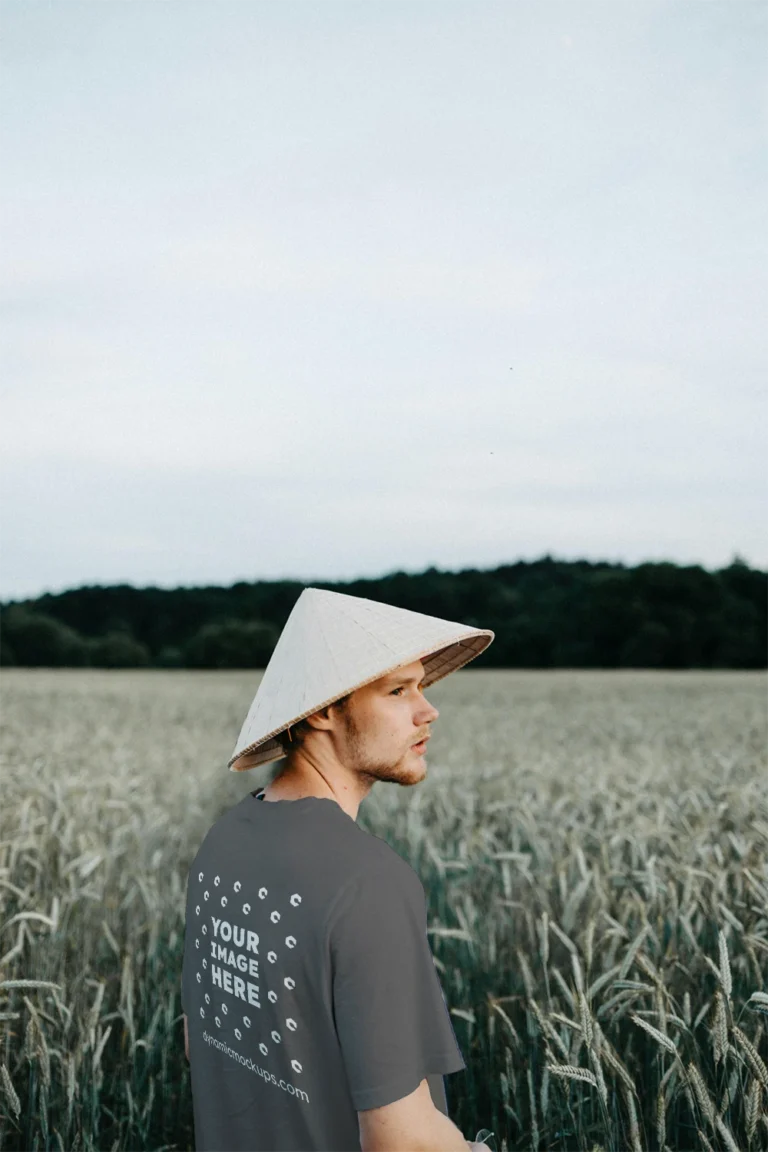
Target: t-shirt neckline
258 794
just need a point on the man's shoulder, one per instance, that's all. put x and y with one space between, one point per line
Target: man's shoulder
383 869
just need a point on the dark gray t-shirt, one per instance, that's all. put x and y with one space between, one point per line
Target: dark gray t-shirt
307 979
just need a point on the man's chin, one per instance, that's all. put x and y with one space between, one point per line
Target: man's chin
414 771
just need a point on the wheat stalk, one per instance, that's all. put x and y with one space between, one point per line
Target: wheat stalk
661 1009
702 1012
544 939
719 1029
532 1101
571 1072
646 966
10 1092
758 1002
548 1030
565 1020
752 1108
631 953
544 1098
615 1064
589 942
601 981
725 966
562 936
564 988
527 978
586 1020
578 977
634 1131
726 1134
602 1088
702 1095
70 1080
659 1037
661 1124
752 1055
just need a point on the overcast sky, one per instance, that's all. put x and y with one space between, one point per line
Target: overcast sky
325 290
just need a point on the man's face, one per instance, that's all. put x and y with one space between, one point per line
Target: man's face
382 722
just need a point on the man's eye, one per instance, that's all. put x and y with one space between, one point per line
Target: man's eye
396 690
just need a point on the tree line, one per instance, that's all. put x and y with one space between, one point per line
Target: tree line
546 613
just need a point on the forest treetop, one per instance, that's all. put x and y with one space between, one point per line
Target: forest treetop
545 613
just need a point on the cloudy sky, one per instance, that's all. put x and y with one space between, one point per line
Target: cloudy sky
326 290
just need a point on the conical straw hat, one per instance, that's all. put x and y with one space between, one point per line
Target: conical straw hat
332 644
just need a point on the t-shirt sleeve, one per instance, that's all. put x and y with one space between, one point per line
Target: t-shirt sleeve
391 1016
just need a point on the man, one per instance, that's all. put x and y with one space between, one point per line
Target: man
316 1017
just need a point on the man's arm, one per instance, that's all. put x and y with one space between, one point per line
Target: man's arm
186 1037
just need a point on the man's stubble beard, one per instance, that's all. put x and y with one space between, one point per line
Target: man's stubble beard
369 769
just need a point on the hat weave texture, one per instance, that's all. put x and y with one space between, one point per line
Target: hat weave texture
333 644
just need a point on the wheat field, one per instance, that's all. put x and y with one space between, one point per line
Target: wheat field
594 851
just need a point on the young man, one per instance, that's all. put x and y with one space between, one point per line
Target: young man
314 1017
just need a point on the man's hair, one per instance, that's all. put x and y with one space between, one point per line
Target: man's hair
300 729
